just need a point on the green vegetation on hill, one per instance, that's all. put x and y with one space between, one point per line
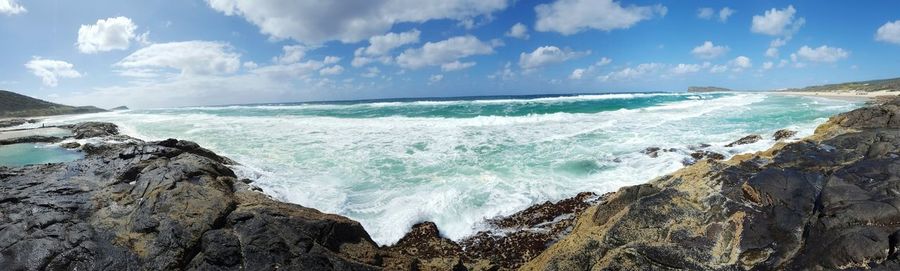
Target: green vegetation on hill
17 105
867 86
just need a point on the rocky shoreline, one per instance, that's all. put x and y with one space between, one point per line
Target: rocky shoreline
829 201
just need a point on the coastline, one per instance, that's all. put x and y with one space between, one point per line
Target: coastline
842 95
542 236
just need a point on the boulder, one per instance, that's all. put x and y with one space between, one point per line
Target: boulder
783 134
745 140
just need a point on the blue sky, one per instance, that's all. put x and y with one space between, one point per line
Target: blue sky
195 52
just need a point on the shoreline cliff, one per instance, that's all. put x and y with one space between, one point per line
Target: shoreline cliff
828 201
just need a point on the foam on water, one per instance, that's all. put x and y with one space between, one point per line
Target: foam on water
392 164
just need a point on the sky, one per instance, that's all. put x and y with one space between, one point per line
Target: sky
167 53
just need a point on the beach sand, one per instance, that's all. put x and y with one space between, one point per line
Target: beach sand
843 95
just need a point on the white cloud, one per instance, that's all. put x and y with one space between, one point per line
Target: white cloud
718 68
708 13
889 32
371 72
577 74
436 78
572 16
519 31
331 60
822 54
107 35
315 22
333 70
546 55
456 65
188 57
740 63
768 65
250 65
705 13
772 52
688 68
504 74
777 22
442 52
708 50
724 13
291 54
632 73
380 45
51 70
603 61
10 7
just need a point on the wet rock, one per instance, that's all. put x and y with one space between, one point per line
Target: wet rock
30 139
826 202
653 152
15 122
70 145
698 155
163 206
93 129
783 134
745 140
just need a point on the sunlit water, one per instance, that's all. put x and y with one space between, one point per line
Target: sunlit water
390 164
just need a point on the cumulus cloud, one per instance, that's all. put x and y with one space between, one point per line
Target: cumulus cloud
681 69
708 50
768 65
371 72
718 68
740 63
821 54
380 45
572 16
436 78
315 22
577 74
331 60
581 72
777 22
333 70
889 32
709 13
546 55
10 7
632 72
107 35
50 71
456 65
188 57
519 31
443 52
291 54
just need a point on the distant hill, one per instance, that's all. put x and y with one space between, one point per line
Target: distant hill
17 105
867 86
707 89
119 108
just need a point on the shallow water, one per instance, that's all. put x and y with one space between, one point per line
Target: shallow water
390 164
28 153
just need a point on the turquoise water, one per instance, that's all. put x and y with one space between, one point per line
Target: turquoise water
27 154
392 163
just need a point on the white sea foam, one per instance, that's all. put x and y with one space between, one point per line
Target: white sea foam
391 172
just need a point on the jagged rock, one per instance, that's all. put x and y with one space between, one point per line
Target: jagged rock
93 129
30 139
827 202
745 140
15 122
783 133
653 152
162 206
70 145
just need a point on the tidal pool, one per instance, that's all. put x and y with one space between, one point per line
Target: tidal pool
16 155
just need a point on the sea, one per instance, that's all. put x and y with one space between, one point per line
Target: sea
458 161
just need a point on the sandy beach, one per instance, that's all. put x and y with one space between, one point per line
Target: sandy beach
843 95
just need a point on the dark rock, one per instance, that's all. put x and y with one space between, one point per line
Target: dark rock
15 122
93 129
653 152
824 203
783 133
30 139
119 108
70 145
745 140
